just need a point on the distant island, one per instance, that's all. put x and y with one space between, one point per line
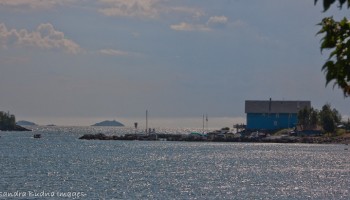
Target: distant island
109 123
8 123
25 123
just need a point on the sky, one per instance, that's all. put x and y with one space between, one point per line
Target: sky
75 62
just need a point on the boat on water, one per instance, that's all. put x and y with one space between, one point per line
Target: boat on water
37 135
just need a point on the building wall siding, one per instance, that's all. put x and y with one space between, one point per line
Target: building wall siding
271 121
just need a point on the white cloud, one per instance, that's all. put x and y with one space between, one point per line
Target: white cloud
44 37
214 20
144 8
183 26
130 8
34 4
148 9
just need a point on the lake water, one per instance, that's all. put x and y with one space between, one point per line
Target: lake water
60 166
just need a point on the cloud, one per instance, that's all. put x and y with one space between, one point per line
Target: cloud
213 22
150 9
217 20
183 26
34 4
143 9
130 8
44 37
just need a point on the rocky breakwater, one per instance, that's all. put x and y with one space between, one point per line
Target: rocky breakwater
150 137
281 139
326 140
99 136
205 138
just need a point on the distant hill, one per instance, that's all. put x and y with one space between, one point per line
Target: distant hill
51 125
108 123
25 123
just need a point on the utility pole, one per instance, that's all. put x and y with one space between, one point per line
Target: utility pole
135 124
146 121
206 120
203 123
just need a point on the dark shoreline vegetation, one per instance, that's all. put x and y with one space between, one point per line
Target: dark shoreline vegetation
8 123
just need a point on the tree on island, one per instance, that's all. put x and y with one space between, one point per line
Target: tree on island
7 121
337 40
329 118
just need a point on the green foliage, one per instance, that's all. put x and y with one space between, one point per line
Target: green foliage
308 118
336 39
329 118
328 124
347 125
7 121
336 115
340 132
327 3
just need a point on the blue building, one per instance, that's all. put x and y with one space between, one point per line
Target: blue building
272 115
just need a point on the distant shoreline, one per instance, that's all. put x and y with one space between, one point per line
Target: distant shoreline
187 138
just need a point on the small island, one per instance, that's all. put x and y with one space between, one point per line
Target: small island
8 123
109 123
25 123
51 125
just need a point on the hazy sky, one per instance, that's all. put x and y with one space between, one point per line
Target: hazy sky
76 61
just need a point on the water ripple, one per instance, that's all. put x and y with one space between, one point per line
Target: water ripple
59 162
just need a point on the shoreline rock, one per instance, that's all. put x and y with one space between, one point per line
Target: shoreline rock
16 128
187 138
